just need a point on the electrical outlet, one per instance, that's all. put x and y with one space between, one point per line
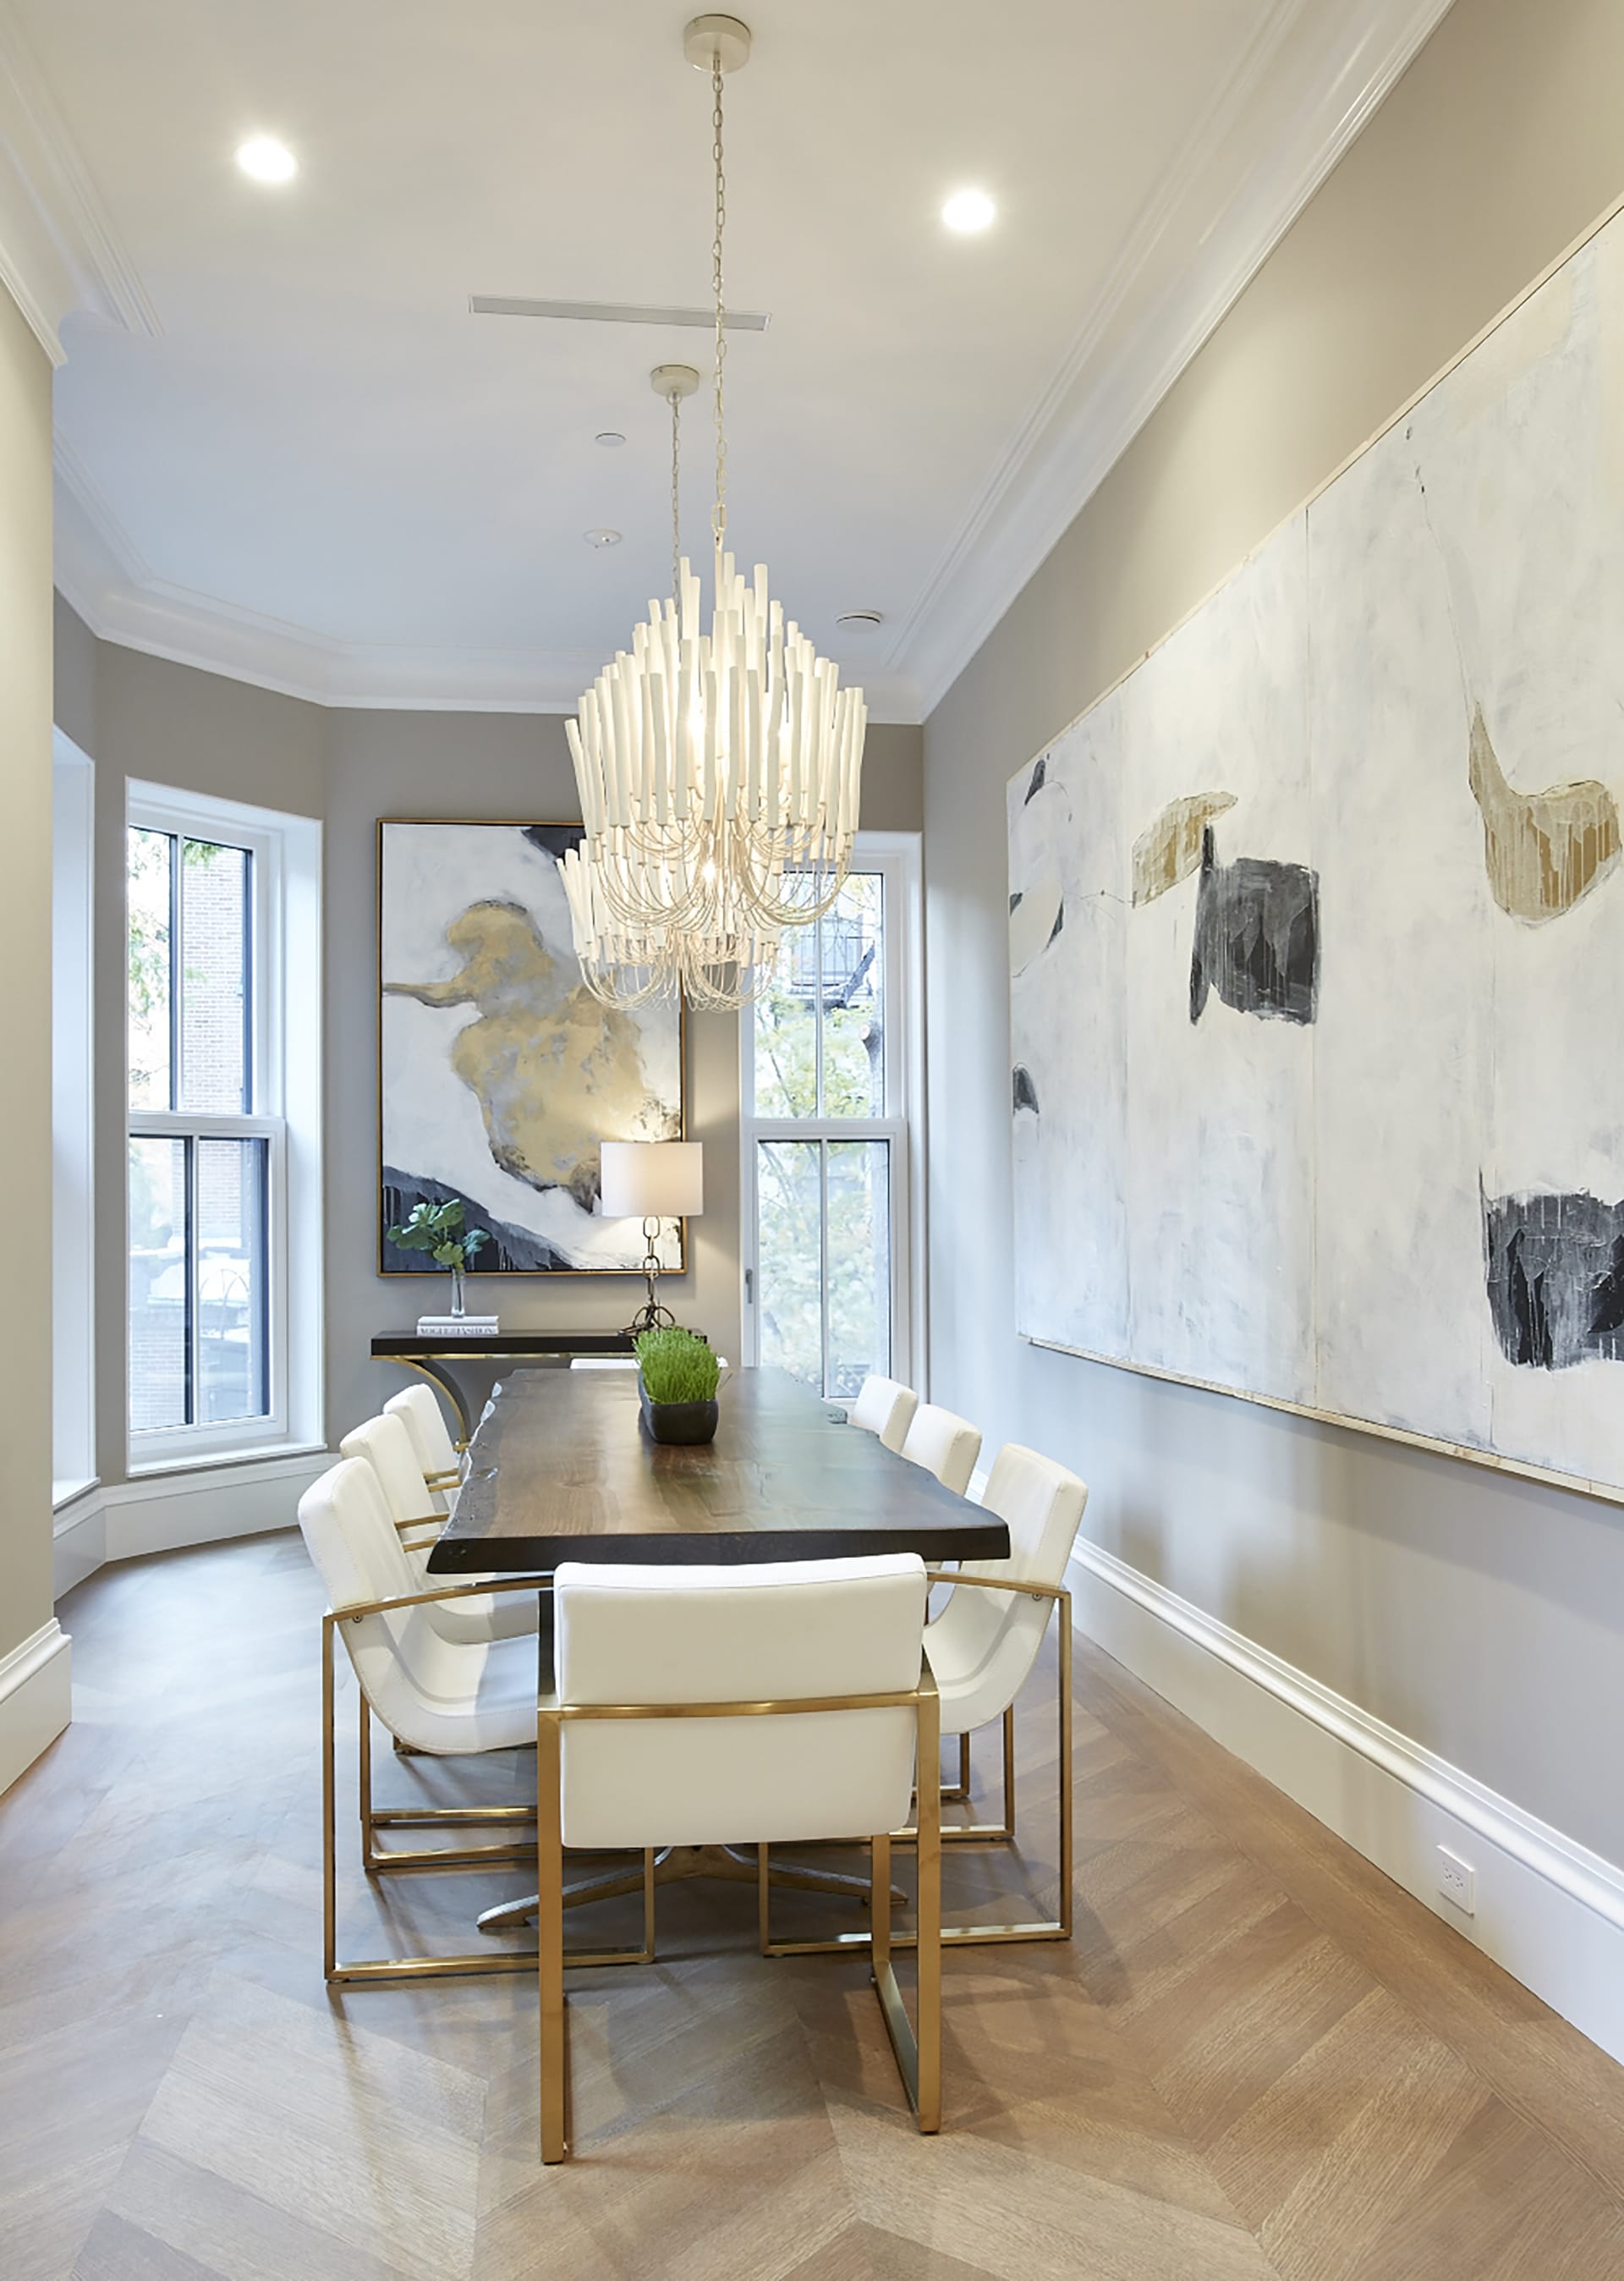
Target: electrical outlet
1457 1882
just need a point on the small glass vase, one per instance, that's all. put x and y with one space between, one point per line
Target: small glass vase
458 1295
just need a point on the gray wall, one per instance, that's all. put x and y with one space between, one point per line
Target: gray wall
25 925
143 717
1480 1615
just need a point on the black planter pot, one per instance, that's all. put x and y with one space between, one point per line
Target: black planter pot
678 1424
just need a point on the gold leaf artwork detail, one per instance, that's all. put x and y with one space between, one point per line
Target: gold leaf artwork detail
554 1071
1545 850
1170 849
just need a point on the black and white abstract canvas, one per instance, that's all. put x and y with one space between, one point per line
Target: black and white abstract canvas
499 1073
1317 939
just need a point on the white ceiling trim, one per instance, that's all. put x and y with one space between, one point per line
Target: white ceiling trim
1319 74
100 572
59 252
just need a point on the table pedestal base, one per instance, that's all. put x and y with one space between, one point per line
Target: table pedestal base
736 1863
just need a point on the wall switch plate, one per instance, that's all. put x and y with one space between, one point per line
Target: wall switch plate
1457 1882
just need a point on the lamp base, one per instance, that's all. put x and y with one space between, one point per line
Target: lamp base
651 1315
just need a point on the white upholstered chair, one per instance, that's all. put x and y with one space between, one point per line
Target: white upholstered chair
945 1445
884 1406
438 1695
431 1445
780 1702
385 1445
984 1643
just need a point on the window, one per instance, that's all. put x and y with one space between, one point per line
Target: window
214 1353
827 1081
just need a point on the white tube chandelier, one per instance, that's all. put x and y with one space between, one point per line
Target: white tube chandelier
720 771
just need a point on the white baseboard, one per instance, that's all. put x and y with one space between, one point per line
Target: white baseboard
35 1702
1547 1909
161 1512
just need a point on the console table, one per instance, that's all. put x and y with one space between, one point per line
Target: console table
433 1357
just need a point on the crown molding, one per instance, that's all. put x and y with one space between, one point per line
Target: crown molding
59 252
1298 98
100 572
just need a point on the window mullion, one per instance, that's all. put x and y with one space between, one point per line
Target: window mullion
194 1371
177 968
823 1263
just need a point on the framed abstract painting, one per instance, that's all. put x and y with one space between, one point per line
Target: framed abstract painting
499 1074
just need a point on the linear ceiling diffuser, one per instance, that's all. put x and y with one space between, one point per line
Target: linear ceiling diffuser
613 313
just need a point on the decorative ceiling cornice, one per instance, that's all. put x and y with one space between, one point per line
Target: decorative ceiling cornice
1311 80
1313 75
59 252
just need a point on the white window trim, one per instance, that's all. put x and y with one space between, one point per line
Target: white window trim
72 1122
286 1094
897 855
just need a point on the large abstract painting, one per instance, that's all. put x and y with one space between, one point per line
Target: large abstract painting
499 1073
1317 939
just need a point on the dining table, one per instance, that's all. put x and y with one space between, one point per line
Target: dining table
564 1468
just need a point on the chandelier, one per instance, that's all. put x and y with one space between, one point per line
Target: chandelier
719 771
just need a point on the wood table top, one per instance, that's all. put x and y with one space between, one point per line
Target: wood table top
562 1470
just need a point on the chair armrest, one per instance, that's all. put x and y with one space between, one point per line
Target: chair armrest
451 1592
998 1584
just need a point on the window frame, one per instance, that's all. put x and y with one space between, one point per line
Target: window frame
895 856
281 974
74 1461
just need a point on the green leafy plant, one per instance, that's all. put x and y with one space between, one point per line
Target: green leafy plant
676 1366
434 1228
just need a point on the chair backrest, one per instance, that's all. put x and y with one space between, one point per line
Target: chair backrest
350 1535
778 1632
884 1406
420 1414
604 1362
421 1684
983 1645
946 1445
385 1445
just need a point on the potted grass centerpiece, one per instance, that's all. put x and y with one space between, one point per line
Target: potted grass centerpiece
677 1376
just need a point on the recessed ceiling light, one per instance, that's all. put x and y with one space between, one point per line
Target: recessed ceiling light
602 538
861 622
968 211
265 159
610 438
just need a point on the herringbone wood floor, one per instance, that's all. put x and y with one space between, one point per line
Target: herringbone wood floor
1258 2060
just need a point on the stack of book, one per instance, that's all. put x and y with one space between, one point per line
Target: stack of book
456 1326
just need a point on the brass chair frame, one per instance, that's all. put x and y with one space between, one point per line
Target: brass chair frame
393 1860
973 1936
917 2049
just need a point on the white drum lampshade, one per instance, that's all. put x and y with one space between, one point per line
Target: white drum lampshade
651 1179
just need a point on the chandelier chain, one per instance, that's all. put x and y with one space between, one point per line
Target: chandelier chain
677 499
719 515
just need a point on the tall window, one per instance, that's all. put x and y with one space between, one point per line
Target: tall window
827 1081
209 1300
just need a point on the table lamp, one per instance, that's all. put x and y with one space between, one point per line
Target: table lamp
651 1181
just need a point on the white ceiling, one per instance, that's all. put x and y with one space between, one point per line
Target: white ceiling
287 449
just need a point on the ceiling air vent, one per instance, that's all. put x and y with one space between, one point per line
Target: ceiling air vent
614 312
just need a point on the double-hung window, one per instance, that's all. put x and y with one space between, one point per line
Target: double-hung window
829 1080
211 1366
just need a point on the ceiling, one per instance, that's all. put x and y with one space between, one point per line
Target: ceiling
287 449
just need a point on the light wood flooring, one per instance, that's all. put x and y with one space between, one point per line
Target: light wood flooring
1258 2059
